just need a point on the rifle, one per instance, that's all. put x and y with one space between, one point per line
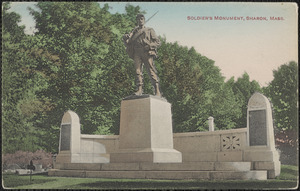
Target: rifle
151 17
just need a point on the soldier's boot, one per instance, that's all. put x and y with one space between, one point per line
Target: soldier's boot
157 91
139 91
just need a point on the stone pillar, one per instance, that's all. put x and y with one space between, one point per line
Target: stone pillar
146 132
211 123
260 136
69 140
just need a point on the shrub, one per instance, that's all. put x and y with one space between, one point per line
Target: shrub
22 158
287 143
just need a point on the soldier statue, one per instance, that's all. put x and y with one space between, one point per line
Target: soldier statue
141 44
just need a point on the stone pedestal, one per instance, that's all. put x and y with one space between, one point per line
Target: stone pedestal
146 132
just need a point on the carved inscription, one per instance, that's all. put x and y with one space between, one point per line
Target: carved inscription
257 127
65 137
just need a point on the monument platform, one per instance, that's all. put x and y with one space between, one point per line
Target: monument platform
146 147
192 170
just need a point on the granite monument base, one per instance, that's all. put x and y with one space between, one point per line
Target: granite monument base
146 131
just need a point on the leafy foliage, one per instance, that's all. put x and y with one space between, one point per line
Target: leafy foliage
77 61
16 131
243 89
195 88
283 92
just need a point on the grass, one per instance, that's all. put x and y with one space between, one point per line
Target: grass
289 172
288 179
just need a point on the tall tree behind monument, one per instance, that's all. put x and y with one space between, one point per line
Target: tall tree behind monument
77 61
283 92
243 89
18 101
79 78
195 88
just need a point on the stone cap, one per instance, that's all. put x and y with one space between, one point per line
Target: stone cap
70 117
206 133
258 101
131 97
106 137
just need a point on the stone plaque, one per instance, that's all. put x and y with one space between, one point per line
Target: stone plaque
257 127
65 137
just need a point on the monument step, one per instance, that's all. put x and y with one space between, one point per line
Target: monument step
172 175
190 166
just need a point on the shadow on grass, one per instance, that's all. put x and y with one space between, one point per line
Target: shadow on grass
289 172
13 180
187 184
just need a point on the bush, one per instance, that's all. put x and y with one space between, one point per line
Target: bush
23 158
287 143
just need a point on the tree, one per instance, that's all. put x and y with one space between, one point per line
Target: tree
79 51
77 61
283 92
17 92
69 51
195 88
243 89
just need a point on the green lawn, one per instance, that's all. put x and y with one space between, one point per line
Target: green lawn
287 179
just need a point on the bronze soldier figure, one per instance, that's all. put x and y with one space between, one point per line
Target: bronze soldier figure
141 44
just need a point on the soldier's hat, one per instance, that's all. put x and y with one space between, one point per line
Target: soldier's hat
139 16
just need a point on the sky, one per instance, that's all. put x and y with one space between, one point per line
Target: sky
237 46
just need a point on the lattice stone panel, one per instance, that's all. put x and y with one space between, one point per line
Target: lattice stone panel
230 142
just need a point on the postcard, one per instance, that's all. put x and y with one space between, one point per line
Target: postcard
150 95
